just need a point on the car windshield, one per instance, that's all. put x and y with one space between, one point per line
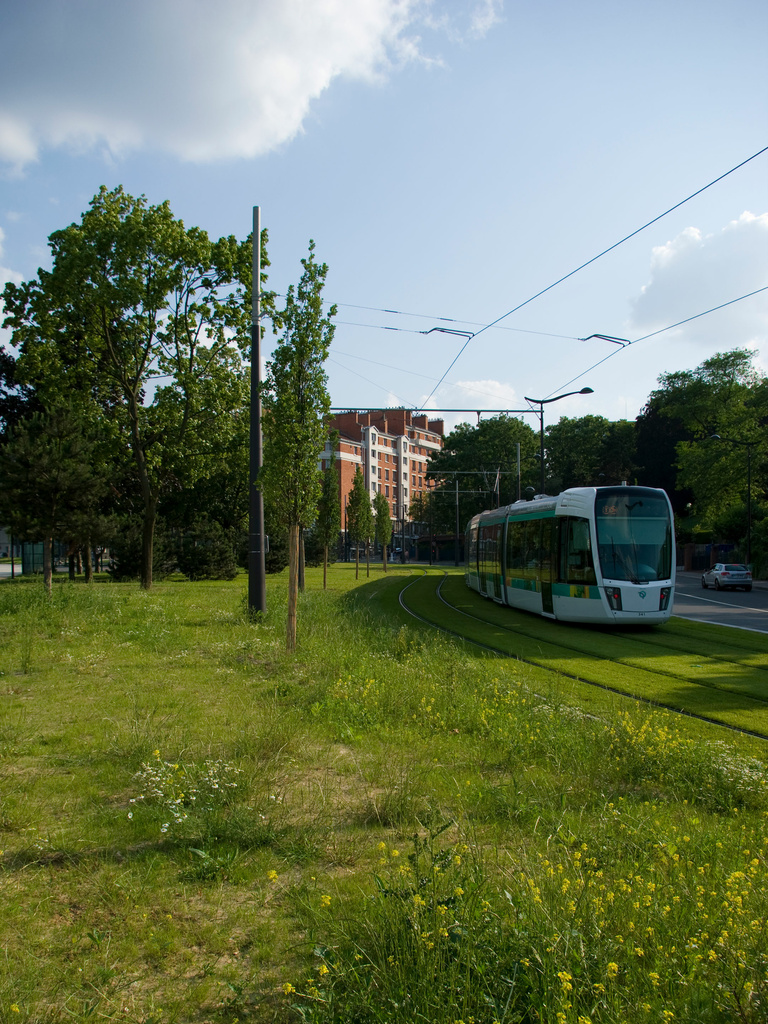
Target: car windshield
634 535
735 568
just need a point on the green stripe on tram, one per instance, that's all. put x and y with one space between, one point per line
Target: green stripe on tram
584 590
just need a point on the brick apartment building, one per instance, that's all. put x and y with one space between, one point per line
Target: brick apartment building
391 447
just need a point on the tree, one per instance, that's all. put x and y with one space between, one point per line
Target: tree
295 404
589 450
383 525
50 486
151 320
725 396
16 401
484 459
359 516
329 508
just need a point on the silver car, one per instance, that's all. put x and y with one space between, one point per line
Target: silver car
727 574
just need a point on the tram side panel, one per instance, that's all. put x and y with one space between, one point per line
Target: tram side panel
526 561
490 545
577 596
471 572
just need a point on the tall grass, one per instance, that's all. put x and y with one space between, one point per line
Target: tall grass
386 827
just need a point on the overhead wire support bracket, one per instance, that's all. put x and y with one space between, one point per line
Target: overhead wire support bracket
623 342
450 330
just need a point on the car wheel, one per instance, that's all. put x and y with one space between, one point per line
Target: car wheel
717 585
703 583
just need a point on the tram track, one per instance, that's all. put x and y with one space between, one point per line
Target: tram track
562 649
627 662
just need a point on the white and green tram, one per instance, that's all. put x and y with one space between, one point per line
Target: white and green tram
591 554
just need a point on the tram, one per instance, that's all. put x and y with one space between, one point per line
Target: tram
592 554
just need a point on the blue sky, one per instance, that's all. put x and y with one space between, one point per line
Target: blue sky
450 159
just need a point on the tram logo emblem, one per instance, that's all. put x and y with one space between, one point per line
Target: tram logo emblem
642 594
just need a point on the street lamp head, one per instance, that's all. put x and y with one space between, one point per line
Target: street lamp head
586 391
715 437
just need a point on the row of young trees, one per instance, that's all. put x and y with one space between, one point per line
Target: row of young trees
368 520
701 436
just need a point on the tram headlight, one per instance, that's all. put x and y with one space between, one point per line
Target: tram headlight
614 598
664 595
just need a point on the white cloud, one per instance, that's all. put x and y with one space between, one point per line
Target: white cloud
695 272
201 81
485 16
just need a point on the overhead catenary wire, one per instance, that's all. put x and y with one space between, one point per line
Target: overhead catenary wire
623 348
426 316
588 262
661 330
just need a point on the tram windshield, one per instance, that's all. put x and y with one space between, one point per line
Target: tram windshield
634 535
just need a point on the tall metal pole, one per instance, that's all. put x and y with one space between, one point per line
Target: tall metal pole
541 402
257 591
456 542
749 504
541 445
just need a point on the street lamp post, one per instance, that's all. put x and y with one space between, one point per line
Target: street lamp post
541 402
749 445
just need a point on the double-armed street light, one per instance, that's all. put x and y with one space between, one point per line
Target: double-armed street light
541 402
749 445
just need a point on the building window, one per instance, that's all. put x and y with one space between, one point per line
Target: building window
386 491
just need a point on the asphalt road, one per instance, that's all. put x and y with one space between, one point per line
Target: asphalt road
747 610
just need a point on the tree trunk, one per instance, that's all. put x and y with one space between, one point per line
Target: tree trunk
293 586
72 566
368 558
357 560
148 543
301 559
48 564
325 566
87 561
384 557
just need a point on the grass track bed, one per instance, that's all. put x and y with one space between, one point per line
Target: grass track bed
389 826
710 682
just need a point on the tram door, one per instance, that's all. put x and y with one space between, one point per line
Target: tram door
490 560
548 565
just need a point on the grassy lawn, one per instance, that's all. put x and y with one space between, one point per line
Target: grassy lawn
387 827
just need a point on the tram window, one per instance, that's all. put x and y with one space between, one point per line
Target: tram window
532 549
548 537
576 563
515 547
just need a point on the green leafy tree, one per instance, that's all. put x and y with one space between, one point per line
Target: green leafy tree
16 401
50 484
296 403
484 459
725 396
587 451
328 522
359 516
151 320
383 525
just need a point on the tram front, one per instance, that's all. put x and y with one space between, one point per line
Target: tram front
636 552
